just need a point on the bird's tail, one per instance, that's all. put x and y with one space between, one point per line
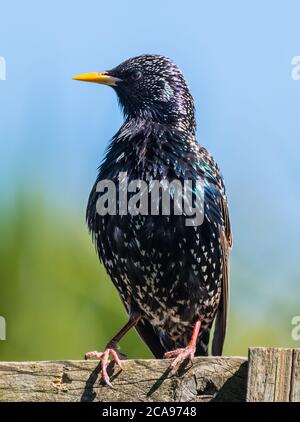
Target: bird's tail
202 344
219 332
151 338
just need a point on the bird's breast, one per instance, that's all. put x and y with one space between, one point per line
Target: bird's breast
170 271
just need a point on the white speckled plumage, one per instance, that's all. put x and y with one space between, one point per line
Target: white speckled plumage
171 274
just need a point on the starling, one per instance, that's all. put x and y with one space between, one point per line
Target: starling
172 277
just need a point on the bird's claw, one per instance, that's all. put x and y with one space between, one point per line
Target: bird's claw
180 355
104 357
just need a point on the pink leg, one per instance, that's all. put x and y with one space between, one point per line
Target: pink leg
187 352
111 350
103 356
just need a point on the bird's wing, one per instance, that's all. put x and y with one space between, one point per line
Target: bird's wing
222 312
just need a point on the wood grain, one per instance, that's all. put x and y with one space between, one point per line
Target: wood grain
274 375
205 379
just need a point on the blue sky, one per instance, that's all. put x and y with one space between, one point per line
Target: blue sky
236 57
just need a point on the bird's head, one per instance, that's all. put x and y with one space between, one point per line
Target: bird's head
149 87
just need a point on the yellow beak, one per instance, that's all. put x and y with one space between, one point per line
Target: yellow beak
98 77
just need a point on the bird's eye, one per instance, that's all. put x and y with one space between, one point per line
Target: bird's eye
135 76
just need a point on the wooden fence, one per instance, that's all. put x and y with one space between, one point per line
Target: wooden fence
269 374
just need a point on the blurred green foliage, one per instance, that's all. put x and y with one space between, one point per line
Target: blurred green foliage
59 303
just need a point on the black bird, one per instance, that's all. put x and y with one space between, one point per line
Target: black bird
172 278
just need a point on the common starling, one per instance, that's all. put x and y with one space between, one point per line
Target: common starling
172 277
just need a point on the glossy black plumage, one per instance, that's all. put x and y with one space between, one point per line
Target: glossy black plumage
168 273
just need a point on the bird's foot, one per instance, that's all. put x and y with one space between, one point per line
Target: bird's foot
180 355
187 352
111 353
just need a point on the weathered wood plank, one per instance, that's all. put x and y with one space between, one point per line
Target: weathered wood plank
206 379
295 380
273 375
